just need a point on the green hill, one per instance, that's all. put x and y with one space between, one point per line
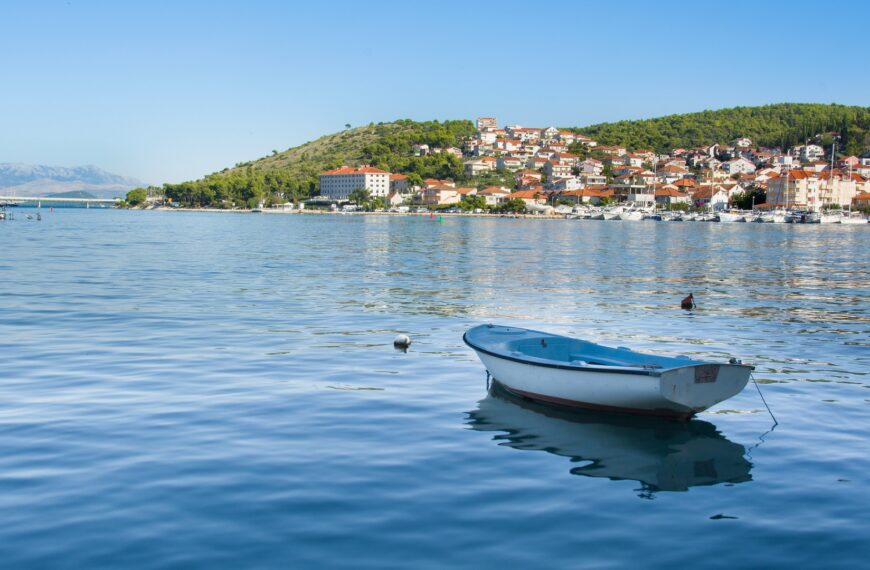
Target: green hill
782 125
293 173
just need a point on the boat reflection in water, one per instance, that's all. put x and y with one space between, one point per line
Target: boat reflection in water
662 455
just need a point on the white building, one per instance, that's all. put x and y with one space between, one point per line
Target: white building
339 183
738 166
484 123
808 152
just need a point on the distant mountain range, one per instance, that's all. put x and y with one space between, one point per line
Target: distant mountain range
38 180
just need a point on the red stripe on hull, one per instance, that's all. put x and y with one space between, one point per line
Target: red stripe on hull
661 412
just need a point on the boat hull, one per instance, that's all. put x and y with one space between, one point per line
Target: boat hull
632 216
677 392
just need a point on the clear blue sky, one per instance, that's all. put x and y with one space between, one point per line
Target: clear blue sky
167 91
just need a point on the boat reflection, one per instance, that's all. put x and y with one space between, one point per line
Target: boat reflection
662 455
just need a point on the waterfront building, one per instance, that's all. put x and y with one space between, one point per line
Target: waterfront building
812 190
669 194
440 194
395 199
711 194
398 183
337 184
494 195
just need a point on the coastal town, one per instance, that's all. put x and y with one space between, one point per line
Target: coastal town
562 172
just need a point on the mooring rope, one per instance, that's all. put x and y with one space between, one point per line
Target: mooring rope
757 387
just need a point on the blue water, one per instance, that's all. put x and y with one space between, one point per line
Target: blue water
221 390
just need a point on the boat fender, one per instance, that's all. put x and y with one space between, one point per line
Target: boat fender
402 341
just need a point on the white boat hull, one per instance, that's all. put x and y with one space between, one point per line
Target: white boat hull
553 370
633 216
631 393
850 220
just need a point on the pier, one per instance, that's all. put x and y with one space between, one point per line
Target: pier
8 200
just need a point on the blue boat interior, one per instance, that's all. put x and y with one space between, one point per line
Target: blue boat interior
524 343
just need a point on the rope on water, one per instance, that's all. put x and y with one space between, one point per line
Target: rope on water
757 387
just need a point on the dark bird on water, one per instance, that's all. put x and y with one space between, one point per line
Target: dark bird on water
688 302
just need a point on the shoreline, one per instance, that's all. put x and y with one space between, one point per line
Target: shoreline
432 215
329 213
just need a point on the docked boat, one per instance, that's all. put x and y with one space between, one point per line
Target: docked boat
605 215
780 218
850 218
731 216
631 215
576 373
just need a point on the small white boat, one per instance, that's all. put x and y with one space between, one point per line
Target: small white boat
850 218
631 215
779 218
572 372
731 217
604 215
829 218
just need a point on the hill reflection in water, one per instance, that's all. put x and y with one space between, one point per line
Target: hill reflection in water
662 455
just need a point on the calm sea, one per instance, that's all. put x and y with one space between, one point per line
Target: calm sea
221 390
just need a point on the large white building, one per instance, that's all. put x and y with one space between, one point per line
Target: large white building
339 183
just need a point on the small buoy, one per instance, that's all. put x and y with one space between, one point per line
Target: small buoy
688 303
402 341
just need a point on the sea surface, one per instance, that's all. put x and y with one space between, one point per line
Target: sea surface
184 389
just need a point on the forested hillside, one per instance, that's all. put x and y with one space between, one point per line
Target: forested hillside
293 174
782 125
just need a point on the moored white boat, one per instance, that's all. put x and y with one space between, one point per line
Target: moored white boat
572 372
853 218
605 215
779 217
631 215
731 217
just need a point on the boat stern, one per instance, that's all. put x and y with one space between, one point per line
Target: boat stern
701 386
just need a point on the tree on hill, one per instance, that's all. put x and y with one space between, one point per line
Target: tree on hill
136 196
784 125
